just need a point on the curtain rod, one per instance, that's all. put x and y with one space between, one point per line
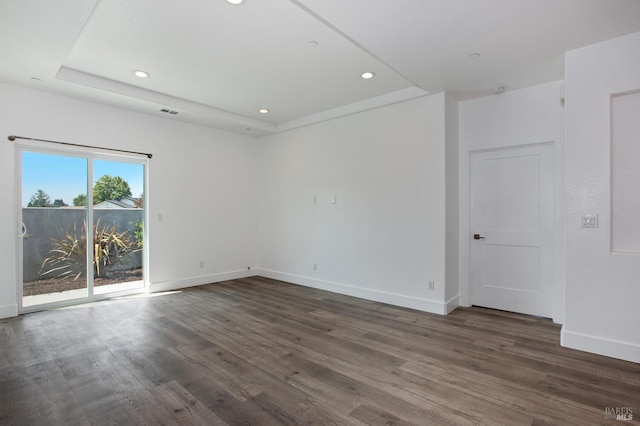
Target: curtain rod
14 137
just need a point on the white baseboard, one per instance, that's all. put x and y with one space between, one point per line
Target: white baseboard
417 303
8 311
201 280
453 303
600 345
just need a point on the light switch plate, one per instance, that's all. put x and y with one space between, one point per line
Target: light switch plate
590 221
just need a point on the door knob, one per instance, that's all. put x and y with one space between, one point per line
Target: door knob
477 237
22 230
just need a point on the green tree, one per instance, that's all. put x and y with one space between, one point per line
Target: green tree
59 203
40 199
110 188
80 200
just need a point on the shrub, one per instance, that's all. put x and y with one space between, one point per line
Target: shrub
67 258
138 232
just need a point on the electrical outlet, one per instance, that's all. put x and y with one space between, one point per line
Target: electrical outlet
202 263
590 221
315 266
432 285
334 199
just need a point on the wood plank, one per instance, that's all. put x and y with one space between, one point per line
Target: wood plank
184 407
260 351
374 416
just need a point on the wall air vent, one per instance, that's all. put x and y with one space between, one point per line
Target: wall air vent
168 111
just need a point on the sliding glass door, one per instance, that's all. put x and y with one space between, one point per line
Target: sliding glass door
82 227
54 255
118 223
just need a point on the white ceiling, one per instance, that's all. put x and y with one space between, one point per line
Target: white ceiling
217 64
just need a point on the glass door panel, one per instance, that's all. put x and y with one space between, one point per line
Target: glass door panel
63 258
54 216
118 223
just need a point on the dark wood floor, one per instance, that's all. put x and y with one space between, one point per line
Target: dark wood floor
262 352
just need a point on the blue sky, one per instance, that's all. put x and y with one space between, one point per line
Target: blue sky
64 177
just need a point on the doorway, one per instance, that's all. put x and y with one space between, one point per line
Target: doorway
82 227
512 248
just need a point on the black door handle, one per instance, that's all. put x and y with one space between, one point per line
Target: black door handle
477 237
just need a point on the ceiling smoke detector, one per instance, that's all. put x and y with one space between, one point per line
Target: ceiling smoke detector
498 90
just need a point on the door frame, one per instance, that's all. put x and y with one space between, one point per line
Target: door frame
465 237
90 154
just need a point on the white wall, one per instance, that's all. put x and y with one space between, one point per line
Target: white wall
201 181
512 115
452 267
603 288
518 117
385 237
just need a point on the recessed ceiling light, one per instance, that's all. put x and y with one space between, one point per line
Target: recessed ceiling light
312 43
474 56
263 111
235 2
140 73
368 74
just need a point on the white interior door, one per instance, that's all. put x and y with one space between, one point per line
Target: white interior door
512 224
